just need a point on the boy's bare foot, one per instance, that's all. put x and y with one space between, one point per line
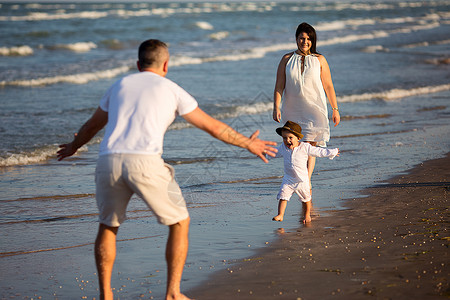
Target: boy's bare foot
306 219
280 231
278 218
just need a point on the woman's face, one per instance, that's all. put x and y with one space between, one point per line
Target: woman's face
304 43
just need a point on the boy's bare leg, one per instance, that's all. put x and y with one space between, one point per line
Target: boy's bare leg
306 212
311 164
176 252
281 209
105 254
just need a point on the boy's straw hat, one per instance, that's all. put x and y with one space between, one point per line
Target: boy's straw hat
293 127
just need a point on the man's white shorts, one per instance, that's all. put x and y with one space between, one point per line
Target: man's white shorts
119 176
302 189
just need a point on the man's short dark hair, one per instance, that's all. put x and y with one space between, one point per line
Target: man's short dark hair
150 54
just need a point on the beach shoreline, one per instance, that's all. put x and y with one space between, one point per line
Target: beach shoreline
384 245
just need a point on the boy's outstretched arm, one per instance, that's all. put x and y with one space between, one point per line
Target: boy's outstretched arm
322 152
85 134
225 133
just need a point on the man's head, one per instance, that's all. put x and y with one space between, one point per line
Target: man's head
153 56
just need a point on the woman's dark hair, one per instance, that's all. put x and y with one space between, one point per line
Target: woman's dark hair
311 32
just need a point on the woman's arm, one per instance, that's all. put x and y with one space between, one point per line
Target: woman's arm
279 87
327 83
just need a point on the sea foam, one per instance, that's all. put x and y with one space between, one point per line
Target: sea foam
204 25
37 155
141 11
425 44
374 48
33 157
219 35
394 94
76 79
16 51
42 16
238 55
78 47
44 153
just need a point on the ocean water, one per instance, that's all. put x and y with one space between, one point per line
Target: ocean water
390 68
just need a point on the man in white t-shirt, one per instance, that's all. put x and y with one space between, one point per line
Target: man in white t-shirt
137 110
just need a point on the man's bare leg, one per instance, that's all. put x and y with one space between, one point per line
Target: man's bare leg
281 209
306 212
105 254
176 252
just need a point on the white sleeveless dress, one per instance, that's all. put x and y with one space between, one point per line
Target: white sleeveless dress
305 100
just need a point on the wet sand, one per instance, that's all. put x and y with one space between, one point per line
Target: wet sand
393 244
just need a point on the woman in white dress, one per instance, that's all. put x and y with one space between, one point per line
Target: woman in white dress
305 79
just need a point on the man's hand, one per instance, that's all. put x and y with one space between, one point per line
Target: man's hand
260 147
66 150
85 134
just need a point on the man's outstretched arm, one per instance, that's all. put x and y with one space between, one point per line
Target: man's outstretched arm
85 134
225 133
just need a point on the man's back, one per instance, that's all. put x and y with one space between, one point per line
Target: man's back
140 108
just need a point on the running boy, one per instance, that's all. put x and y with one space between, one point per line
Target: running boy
296 177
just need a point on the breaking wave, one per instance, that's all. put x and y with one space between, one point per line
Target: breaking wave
204 25
76 79
16 51
47 152
140 11
77 47
395 93
35 156
238 55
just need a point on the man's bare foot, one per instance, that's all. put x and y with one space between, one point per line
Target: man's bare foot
177 297
278 218
107 295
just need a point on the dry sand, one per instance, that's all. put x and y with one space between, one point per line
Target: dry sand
393 244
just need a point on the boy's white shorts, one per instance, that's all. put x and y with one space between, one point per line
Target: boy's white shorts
302 189
119 176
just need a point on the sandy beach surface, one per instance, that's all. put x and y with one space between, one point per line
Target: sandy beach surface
392 244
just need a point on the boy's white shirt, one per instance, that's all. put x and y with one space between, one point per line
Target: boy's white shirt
295 161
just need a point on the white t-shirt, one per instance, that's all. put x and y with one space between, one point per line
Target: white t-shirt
140 108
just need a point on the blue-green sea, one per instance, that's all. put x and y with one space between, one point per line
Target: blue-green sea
390 67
